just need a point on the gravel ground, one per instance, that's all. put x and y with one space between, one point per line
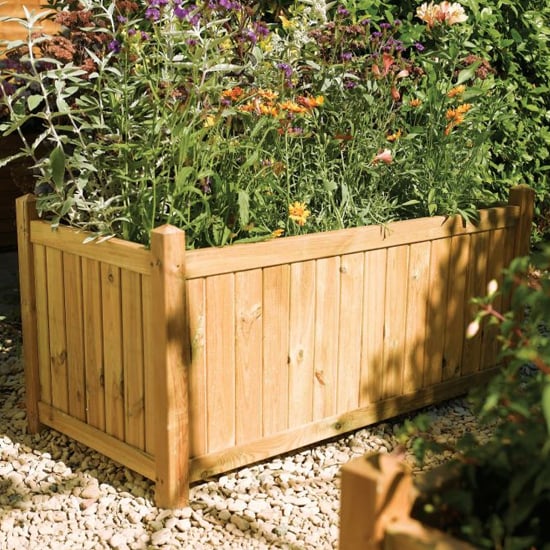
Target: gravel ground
57 494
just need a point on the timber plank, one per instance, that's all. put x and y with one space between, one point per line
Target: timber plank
56 318
327 309
416 316
350 331
276 281
220 361
248 355
112 350
72 282
301 343
132 359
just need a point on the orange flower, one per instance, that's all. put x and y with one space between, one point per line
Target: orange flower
298 212
233 93
311 102
396 96
268 109
292 107
267 94
457 90
415 102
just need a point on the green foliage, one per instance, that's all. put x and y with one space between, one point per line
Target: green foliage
209 118
501 496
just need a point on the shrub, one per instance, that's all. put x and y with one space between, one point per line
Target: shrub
207 117
502 492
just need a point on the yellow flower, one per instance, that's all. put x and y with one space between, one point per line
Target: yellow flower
394 137
209 121
277 233
457 90
292 107
298 213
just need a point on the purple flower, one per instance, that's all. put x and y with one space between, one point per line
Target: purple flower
385 26
153 14
286 68
342 11
250 35
365 22
191 42
375 35
122 19
144 36
132 32
350 84
419 47
260 28
114 46
347 56
397 23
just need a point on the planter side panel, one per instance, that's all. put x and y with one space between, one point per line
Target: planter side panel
94 342
303 344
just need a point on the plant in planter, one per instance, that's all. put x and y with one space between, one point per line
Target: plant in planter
500 492
206 117
164 353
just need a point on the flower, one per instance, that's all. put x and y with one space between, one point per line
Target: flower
276 233
456 116
445 12
298 213
457 90
384 156
394 137
415 102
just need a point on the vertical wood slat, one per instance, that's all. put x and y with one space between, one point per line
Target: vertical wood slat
301 339
149 375
479 247
326 337
112 350
56 316
394 320
456 302
248 356
72 282
276 281
198 434
416 316
171 363
220 358
437 311
26 212
42 324
350 328
372 358
132 356
93 343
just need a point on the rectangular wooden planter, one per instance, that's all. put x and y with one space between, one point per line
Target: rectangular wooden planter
378 494
185 364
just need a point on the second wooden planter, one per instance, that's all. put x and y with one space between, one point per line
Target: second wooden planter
182 365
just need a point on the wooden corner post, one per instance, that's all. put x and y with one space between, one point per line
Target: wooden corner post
26 213
375 491
524 197
171 362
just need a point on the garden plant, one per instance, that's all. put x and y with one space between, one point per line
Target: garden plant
501 493
240 124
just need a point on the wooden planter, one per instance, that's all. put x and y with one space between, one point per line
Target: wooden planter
378 495
185 364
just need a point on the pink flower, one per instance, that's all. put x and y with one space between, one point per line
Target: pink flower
384 156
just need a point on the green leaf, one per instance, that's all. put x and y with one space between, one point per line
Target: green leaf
57 163
34 101
244 201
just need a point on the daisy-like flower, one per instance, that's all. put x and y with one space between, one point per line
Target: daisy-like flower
456 116
415 102
298 213
457 90
276 233
394 137
311 102
292 107
233 94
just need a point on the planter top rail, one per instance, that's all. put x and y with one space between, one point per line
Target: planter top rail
242 257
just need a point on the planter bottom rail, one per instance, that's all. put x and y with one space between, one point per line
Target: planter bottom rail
183 364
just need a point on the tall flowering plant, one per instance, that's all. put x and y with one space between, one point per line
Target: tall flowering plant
208 117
